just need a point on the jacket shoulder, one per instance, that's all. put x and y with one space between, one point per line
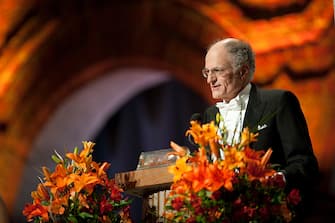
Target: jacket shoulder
276 95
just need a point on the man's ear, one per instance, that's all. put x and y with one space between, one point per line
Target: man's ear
244 71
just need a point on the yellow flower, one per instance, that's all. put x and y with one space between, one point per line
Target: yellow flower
180 168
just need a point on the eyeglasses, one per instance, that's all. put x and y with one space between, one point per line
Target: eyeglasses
214 71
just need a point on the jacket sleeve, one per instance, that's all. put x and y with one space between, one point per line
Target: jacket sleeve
301 169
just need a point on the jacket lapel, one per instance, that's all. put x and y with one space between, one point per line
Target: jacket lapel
255 110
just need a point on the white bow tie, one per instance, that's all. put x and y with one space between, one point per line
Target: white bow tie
234 105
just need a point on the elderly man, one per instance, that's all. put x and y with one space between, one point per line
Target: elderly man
275 114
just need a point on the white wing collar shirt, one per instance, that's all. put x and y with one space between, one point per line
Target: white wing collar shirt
232 114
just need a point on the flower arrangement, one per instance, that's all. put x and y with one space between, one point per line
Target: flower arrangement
226 183
78 190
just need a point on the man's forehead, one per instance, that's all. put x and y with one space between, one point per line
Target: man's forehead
226 41
218 51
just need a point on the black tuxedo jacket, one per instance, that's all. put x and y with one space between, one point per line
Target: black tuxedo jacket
277 116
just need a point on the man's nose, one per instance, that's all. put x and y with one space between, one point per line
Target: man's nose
211 78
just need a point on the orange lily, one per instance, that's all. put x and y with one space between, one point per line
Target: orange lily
58 205
195 131
256 169
41 193
247 137
100 170
251 154
233 158
199 156
198 176
84 158
58 180
83 200
180 187
46 173
72 182
203 133
34 210
266 157
85 180
216 177
179 151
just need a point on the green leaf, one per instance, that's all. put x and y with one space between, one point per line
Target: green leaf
85 215
75 151
72 219
45 203
55 159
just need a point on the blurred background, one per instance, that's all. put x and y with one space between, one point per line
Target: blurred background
126 74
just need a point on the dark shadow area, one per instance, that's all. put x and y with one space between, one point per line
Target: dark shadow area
323 203
148 122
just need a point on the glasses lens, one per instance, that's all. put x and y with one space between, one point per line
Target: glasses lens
205 72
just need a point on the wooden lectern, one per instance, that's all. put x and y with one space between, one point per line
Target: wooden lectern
151 184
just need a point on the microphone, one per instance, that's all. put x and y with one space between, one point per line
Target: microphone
196 117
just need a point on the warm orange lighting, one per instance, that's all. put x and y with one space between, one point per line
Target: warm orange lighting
15 60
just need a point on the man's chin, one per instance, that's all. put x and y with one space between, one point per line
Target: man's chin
216 96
